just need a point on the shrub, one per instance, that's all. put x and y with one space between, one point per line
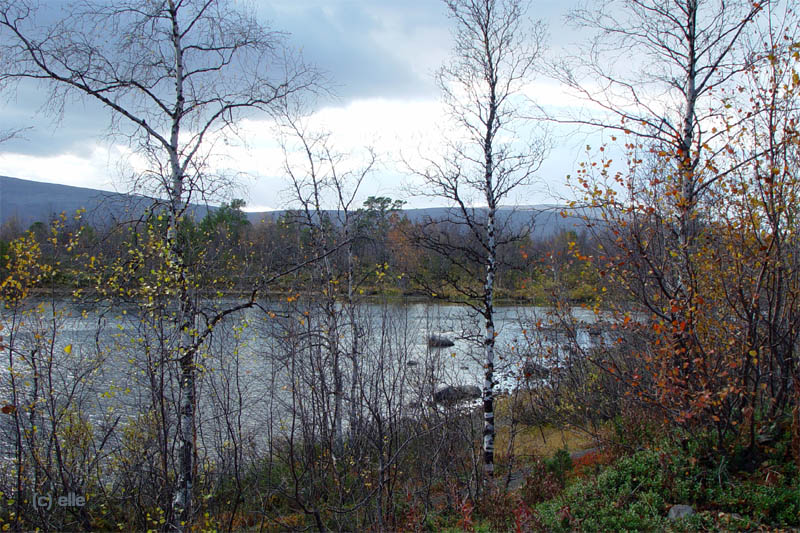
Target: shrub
540 485
627 496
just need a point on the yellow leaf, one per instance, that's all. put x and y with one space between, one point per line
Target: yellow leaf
68 349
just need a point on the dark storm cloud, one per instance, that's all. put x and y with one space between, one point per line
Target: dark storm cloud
369 48
47 131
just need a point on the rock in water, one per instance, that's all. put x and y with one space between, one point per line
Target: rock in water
458 393
435 341
680 511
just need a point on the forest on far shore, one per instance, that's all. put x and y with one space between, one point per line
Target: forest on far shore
385 256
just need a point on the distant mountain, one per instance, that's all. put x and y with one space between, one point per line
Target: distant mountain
32 201
543 221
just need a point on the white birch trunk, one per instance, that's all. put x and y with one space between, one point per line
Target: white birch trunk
489 342
183 499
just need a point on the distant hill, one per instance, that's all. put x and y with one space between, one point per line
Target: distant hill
543 221
32 201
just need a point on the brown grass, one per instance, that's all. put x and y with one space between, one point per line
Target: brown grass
534 440
539 441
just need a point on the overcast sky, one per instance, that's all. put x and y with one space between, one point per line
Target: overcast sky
380 56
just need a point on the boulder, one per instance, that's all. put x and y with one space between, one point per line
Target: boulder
680 511
436 341
456 393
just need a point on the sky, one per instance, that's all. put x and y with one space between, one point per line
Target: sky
380 57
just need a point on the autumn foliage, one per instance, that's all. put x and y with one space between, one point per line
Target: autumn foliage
709 320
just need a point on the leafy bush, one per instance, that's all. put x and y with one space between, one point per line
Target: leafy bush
559 464
636 492
776 505
627 496
540 485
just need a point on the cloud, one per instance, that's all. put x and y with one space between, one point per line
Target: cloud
89 169
369 48
47 132
388 126
394 128
381 56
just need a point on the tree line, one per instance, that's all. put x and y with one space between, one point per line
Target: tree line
383 236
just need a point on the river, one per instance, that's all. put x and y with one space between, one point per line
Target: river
108 362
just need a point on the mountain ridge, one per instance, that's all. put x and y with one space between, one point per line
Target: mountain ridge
28 201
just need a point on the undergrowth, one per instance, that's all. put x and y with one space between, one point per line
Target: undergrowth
741 488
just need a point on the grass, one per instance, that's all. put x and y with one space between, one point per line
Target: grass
534 440
539 441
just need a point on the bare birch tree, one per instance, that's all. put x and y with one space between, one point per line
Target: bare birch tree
175 76
328 178
494 55
688 49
